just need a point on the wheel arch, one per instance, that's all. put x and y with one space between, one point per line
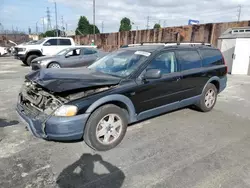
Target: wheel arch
118 100
213 80
33 52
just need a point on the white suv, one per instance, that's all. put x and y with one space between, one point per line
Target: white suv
46 46
3 50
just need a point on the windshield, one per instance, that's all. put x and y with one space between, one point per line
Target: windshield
120 63
64 51
39 41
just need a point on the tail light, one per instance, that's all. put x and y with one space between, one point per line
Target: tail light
224 61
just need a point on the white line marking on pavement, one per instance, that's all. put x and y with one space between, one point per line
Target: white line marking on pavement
3 72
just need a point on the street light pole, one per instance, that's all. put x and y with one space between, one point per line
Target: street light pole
36 28
94 19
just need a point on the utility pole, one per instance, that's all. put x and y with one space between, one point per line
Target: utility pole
239 12
102 26
36 28
164 23
94 18
56 19
66 26
43 25
147 23
48 19
62 24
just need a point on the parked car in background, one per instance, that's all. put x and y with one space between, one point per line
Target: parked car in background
129 85
70 57
46 46
3 51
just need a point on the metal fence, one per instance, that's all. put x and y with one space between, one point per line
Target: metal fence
208 33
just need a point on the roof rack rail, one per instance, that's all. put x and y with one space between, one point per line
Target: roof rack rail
167 44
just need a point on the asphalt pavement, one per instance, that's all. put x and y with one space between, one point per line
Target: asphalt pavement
181 149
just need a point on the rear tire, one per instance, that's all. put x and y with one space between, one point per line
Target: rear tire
54 65
105 128
208 98
30 58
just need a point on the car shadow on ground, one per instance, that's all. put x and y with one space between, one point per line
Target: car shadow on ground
6 123
82 173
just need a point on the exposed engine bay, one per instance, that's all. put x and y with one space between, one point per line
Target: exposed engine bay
47 102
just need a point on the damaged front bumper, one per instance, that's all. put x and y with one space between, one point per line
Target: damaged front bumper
52 127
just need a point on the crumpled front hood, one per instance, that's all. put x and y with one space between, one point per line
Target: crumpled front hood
60 80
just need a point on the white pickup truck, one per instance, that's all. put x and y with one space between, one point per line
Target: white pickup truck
46 46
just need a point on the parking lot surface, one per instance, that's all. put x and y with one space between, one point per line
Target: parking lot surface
180 149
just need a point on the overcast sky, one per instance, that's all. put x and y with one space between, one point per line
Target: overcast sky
26 13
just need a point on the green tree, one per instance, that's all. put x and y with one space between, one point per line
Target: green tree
157 26
125 24
83 26
91 29
51 33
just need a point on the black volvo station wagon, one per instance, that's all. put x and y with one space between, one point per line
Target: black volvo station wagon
131 84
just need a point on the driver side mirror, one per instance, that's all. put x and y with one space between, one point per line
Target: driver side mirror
47 44
152 74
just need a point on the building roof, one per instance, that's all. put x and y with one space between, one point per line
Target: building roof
236 32
70 33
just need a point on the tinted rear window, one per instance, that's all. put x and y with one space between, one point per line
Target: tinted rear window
65 42
211 57
190 59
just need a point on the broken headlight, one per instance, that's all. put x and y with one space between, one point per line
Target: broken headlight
66 111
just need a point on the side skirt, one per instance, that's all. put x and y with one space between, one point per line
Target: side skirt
166 108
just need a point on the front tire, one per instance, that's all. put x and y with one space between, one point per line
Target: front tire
54 66
30 58
105 128
25 63
208 98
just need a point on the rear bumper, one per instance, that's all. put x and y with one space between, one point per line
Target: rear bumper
223 83
54 128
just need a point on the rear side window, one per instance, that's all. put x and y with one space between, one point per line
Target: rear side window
190 59
65 42
166 62
89 51
52 42
211 57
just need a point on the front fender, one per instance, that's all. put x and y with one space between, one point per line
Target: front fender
114 98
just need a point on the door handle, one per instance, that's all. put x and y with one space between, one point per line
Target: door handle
233 56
